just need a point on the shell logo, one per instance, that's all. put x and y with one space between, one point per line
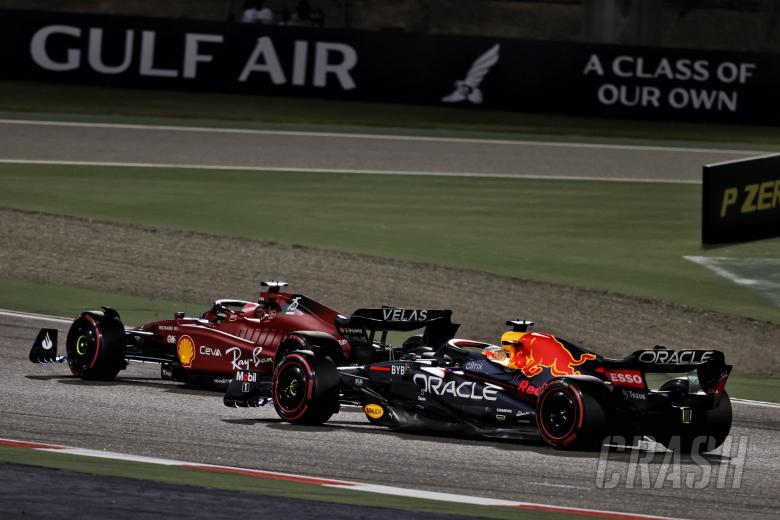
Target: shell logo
185 349
374 411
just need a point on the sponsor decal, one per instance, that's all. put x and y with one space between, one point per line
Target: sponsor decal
671 357
628 394
331 62
246 377
399 370
404 315
374 411
207 351
539 351
351 331
503 410
185 350
679 84
47 342
629 378
465 390
170 339
293 306
238 363
527 388
379 369
468 89
166 328
500 417
474 366
755 197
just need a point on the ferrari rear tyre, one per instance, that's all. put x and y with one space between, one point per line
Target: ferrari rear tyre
568 416
306 389
96 346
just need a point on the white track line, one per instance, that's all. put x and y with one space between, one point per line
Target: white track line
384 137
749 402
58 319
333 483
33 316
271 169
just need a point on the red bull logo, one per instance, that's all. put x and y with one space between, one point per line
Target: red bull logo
539 351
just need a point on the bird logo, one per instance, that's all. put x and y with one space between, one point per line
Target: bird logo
468 89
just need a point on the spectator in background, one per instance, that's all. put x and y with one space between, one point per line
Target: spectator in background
255 11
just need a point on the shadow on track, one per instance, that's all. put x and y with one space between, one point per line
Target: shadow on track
148 382
618 454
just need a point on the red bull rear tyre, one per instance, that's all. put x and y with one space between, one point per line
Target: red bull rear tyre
569 417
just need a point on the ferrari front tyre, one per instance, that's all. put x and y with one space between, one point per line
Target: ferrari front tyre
568 416
96 346
306 389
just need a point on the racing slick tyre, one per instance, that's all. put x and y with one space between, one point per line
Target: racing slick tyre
707 427
569 416
96 345
306 389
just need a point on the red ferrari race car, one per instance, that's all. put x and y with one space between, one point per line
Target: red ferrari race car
206 351
533 385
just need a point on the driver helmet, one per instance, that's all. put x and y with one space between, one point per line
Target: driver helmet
501 355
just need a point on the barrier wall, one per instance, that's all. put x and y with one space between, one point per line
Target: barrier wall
741 200
571 78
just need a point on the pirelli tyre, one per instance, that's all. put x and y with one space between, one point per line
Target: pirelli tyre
96 345
569 416
306 388
696 429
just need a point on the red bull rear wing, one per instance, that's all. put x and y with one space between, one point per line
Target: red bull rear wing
707 369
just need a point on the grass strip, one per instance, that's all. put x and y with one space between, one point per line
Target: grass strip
624 237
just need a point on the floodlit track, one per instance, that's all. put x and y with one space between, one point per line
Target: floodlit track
142 415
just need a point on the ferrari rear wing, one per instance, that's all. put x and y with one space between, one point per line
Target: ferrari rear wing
706 369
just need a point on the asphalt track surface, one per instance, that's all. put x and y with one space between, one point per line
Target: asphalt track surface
40 141
141 415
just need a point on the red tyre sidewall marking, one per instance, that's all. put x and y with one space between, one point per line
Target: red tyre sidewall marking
578 423
303 364
97 340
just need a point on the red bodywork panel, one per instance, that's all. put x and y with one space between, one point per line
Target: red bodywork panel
222 342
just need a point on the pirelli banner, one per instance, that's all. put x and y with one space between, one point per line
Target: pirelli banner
573 78
741 200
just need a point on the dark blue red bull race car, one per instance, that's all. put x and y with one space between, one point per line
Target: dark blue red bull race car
533 385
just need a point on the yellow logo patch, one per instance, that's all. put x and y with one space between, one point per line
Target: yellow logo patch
185 349
374 411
